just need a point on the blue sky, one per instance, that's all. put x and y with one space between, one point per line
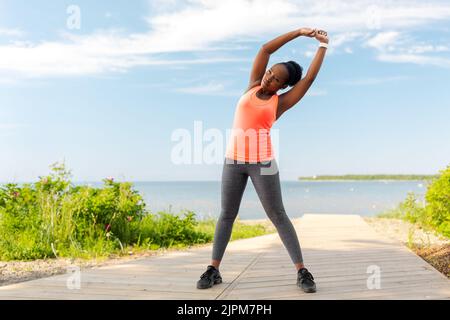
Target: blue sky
107 97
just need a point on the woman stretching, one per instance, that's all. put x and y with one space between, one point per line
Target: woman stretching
249 151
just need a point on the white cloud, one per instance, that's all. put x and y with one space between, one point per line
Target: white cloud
424 48
158 6
209 21
204 25
316 92
416 59
92 55
211 88
395 47
345 37
11 32
383 39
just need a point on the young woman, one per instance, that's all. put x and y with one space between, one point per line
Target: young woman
258 108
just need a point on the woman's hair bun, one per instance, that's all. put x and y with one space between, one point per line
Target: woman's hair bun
295 72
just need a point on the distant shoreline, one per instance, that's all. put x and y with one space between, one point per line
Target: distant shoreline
380 177
361 180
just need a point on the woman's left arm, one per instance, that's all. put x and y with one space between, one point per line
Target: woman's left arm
314 68
288 99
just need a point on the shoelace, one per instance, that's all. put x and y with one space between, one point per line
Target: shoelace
306 275
207 273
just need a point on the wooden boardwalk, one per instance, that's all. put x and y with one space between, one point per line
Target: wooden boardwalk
339 250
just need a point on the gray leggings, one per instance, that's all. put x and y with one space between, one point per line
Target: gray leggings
234 179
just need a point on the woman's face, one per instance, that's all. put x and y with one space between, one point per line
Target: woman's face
275 78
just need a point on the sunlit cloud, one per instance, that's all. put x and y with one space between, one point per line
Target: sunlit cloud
211 88
11 32
396 47
416 59
215 26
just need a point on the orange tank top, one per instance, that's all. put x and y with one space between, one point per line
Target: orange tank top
249 139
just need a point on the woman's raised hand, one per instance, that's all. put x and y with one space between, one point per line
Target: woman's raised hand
308 32
322 36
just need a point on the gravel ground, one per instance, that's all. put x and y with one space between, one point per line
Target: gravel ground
433 248
19 271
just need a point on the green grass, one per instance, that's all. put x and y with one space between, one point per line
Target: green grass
53 218
240 230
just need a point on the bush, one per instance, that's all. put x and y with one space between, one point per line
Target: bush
435 215
52 218
413 211
438 202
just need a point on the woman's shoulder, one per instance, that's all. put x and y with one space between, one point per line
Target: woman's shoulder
255 85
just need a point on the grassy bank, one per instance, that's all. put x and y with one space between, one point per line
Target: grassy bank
53 218
432 217
434 213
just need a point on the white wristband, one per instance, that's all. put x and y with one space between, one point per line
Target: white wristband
323 44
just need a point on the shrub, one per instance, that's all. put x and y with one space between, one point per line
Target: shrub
52 218
435 215
412 210
438 202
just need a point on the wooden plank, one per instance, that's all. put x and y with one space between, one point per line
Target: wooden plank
293 292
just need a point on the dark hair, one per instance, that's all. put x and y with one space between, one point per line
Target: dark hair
295 72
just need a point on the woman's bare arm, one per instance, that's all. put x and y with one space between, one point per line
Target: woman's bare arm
290 98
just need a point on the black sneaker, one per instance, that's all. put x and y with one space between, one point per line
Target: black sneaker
209 278
305 280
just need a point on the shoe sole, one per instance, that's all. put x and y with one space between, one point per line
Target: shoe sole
217 281
310 290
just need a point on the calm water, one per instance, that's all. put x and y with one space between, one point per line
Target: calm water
360 197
